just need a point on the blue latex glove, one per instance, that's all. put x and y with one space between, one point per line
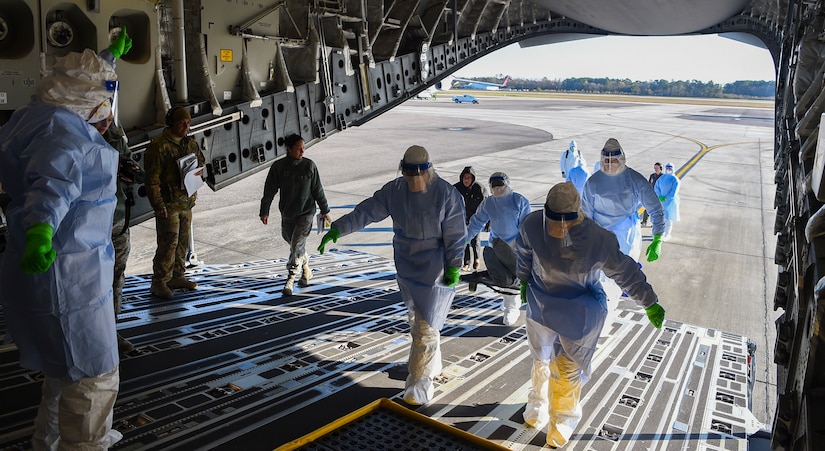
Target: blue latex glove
656 315
523 292
332 235
654 249
662 198
450 276
121 45
39 254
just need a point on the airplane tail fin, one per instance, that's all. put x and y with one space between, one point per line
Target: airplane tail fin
445 84
506 80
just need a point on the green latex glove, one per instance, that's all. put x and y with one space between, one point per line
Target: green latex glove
656 315
39 255
654 249
662 198
332 235
450 276
121 45
523 292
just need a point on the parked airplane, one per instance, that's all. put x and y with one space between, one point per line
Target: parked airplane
465 83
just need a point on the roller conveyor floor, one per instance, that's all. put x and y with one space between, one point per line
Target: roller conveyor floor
236 365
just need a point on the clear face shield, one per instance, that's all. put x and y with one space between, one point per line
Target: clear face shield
558 225
669 169
416 175
499 186
613 162
113 86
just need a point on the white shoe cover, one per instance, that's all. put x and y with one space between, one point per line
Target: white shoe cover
419 391
537 410
511 305
511 317
559 433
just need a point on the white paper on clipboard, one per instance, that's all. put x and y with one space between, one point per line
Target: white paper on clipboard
190 173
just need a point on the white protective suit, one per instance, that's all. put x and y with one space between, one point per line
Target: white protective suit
60 171
505 210
571 158
566 309
429 235
613 200
667 186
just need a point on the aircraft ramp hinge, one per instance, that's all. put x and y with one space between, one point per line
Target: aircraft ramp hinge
340 122
219 165
320 129
259 153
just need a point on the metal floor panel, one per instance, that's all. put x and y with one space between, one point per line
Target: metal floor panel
234 365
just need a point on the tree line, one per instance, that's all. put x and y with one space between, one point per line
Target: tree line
664 88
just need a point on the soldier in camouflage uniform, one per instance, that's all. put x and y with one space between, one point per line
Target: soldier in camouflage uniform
120 241
172 206
298 181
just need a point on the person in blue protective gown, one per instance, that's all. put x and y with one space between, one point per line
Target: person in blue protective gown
667 188
613 196
56 276
578 175
561 254
428 246
505 210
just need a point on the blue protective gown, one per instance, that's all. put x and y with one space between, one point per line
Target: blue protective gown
578 176
613 201
505 214
429 236
668 186
59 170
564 294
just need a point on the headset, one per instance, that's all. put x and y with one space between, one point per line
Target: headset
170 113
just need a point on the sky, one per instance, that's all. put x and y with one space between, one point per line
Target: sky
704 58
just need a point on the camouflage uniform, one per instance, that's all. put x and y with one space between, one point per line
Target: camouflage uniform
163 188
119 241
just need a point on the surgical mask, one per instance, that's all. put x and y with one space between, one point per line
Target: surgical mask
499 191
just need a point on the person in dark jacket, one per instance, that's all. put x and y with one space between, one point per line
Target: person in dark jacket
657 172
473 193
298 181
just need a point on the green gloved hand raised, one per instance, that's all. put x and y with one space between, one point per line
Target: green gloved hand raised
655 247
523 291
39 254
450 276
656 315
332 235
121 45
662 198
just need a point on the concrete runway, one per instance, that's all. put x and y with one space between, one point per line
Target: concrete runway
717 271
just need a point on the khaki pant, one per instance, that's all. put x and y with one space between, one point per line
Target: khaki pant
122 248
173 245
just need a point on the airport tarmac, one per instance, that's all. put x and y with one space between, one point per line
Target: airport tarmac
717 271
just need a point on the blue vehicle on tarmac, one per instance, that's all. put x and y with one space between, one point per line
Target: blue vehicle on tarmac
466 98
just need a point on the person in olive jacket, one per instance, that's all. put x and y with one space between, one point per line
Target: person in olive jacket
298 181
171 202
